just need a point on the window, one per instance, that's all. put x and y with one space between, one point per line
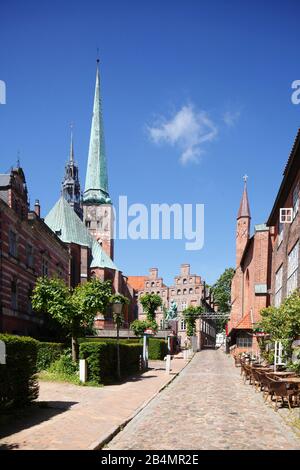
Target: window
29 255
12 243
244 341
292 271
45 267
184 281
278 287
190 291
88 223
295 200
184 291
182 325
14 295
183 305
280 233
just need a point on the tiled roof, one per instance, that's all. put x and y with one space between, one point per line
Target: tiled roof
137 282
64 221
245 323
244 209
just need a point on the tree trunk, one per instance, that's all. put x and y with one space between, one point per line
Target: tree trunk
74 349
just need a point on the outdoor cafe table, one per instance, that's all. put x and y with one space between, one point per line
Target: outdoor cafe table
295 380
281 373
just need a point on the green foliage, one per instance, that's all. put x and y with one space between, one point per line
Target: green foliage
221 291
47 354
102 359
74 310
139 326
157 348
65 364
282 323
190 315
18 384
150 303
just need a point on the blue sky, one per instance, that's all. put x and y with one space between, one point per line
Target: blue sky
227 67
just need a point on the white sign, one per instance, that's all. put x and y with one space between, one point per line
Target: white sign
2 352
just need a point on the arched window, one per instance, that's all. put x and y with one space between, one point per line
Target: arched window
184 291
191 291
178 292
246 293
184 281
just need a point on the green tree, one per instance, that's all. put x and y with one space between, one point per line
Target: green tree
282 323
221 291
74 309
190 315
139 326
150 303
117 300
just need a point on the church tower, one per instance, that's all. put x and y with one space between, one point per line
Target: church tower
97 206
243 224
71 185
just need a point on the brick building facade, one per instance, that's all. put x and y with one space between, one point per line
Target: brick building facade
28 249
285 271
267 263
188 290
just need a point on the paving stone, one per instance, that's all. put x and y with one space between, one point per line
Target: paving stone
207 407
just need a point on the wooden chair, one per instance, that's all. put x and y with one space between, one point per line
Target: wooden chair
283 390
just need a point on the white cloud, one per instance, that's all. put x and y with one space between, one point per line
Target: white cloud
231 117
188 130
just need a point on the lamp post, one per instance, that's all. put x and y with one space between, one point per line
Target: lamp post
117 311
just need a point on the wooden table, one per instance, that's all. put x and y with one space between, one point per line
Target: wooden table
281 373
295 380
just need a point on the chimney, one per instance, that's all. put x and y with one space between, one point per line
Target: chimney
37 208
185 270
153 273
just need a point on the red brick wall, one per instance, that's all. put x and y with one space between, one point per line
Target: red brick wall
45 246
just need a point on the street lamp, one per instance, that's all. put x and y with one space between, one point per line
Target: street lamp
117 311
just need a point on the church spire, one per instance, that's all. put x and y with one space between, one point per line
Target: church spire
71 185
72 147
244 209
96 182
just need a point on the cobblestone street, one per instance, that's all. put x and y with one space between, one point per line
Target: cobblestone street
207 407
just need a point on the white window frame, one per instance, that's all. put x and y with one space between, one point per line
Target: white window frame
292 271
278 286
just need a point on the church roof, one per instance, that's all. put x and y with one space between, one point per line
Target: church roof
137 282
244 209
64 221
96 182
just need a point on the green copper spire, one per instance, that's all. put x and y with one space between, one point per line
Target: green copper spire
96 182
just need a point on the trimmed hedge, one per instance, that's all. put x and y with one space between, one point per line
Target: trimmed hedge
108 340
47 354
102 359
18 382
157 349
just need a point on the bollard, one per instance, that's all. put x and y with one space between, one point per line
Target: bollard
82 370
168 364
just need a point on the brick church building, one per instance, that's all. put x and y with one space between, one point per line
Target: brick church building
75 241
85 222
267 263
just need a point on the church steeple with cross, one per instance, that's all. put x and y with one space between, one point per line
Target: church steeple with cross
97 206
243 223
